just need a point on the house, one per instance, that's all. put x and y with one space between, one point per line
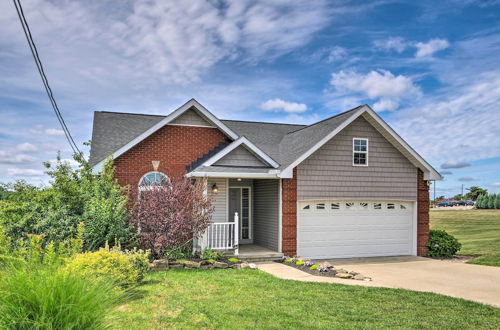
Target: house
346 186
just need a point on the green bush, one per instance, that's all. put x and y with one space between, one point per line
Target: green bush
442 245
313 267
299 262
74 196
233 260
211 254
35 296
124 268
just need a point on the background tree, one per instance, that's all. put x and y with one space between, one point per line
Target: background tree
479 202
169 216
491 201
497 201
75 195
475 192
458 197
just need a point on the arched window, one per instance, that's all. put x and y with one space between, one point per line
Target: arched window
153 179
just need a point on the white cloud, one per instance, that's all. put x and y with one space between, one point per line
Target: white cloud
394 43
445 172
496 184
430 47
462 119
337 53
54 131
423 49
280 105
167 41
24 172
467 179
8 157
69 161
26 147
454 164
383 86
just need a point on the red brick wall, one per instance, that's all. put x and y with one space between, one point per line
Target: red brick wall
422 214
289 215
174 146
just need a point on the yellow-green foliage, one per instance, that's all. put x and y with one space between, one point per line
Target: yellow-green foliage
125 268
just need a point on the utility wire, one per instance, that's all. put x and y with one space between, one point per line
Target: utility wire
38 62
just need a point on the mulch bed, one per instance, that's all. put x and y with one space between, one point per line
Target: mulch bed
327 271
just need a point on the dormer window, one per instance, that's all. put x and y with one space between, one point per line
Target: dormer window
359 152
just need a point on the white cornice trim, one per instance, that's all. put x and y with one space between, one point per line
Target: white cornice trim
186 106
235 144
242 175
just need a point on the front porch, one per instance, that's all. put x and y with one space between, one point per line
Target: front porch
246 218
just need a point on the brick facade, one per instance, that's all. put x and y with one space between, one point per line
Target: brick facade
289 215
174 146
422 214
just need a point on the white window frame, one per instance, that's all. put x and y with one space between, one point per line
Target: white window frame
360 152
146 187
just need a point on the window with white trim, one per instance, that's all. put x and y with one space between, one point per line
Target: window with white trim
359 152
153 179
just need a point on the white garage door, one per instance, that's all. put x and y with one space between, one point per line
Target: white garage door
343 229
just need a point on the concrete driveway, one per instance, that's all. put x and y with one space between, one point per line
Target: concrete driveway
456 279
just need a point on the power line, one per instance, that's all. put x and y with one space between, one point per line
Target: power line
38 62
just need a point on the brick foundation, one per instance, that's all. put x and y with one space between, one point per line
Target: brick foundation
174 146
289 215
422 214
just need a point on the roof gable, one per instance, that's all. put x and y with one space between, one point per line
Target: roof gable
190 105
332 126
191 117
241 156
249 146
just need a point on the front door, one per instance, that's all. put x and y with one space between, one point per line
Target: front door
239 201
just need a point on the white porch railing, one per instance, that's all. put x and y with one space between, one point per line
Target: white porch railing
222 236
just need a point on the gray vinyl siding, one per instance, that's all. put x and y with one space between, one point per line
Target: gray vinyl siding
240 157
220 199
190 117
328 173
266 213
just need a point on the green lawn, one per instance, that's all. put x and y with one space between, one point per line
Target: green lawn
477 230
253 299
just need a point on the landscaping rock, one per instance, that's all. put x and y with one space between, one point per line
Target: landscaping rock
326 264
343 275
252 266
176 266
207 266
353 273
219 264
205 262
243 265
367 279
341 271
161 264
359 277
192 264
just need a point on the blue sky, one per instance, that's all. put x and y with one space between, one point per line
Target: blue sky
430 69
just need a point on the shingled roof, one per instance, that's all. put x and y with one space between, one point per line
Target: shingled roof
286 144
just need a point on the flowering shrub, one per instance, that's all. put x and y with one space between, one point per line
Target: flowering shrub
124 268
168 217
441 244
308 263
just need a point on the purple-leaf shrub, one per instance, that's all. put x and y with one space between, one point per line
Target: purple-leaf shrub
167 217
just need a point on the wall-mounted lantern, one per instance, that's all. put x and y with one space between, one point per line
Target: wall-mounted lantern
215 189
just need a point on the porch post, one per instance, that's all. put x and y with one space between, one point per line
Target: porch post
236 234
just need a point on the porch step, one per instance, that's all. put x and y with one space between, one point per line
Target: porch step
257 257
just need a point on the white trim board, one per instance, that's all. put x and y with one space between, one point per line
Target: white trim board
235 144
176 113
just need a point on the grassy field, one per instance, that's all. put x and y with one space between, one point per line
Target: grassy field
252 299
477 230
